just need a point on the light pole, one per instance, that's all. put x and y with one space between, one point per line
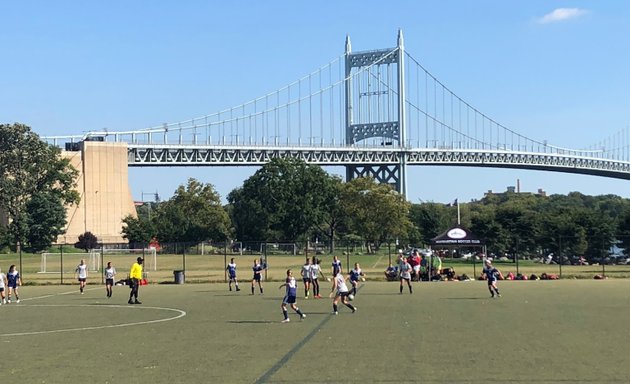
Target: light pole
156 200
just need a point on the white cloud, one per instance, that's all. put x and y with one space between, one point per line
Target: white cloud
562 14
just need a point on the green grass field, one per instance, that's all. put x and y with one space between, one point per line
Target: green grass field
563 331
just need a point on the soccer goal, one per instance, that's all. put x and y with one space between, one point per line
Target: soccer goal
149 255
52 262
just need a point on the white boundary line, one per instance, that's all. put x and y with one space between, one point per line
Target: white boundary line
179 311
179 315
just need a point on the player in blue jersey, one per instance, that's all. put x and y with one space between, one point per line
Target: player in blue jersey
13 282
257 268
336 266
356 275
306 276
231 269
491 274
290 297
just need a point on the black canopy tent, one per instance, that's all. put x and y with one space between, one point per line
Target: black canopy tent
456 238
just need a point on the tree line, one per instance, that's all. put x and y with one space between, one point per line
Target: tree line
288 200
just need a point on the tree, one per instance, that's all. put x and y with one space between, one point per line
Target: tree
282 201
431 219
29 167
375 211
87 241
138 231
45 221
193 214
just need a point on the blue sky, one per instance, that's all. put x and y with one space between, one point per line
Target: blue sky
552 70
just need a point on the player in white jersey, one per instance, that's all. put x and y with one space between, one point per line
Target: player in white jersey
290 297
405 274
3 284
82 274
231 268
110 275
340 290
306 276
316 270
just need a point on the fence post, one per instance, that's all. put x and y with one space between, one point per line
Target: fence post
21 271
103 269
225 261
184 257
61 261
347 262
560 261
516 257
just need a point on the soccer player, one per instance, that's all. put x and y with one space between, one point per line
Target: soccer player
3 283
290 298
336 266
316 270
491 274
405 274
110 274
356 274
135 276
306 276
13 281
231 268
257 268
340 289
82 273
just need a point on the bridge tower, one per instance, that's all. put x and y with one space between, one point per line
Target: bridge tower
375 108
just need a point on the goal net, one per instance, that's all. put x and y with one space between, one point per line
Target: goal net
52 262
149 255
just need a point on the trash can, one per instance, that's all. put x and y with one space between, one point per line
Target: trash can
179 277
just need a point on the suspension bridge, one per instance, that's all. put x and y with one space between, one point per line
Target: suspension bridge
374 112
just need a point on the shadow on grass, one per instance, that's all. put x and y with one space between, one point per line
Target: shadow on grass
251 321
465 298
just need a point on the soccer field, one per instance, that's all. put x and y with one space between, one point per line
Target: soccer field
562 331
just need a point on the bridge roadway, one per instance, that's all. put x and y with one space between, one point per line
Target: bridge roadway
141 155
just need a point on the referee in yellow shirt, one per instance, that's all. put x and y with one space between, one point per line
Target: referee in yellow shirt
135 276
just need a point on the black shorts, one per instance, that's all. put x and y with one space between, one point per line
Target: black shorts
109 281
257 278
82 279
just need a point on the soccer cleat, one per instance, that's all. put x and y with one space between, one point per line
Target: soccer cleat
303 317
354 309
9 301
286 320
498 295
335 313
130 301
17 301
230 289
237 289
137 302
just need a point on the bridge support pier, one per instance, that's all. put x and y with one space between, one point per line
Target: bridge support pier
383 174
